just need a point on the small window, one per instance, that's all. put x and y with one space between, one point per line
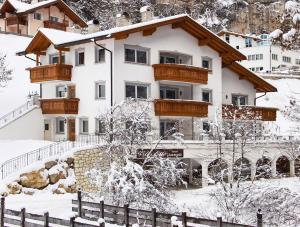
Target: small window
136 55
37 16
46 127
248 42
84 126
61 91
286 59
99 55
227 38
100 90
54 19
275 57
139 91
60 125
100 126
207 96
79 57
207 63
239 100
237 47
54 59
206 126
297 61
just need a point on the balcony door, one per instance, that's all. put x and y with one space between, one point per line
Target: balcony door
71 129
47 130
169 93
71 91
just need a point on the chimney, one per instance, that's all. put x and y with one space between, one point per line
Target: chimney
93 26
146 13
123 19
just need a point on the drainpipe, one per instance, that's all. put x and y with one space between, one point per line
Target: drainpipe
39 63
259 97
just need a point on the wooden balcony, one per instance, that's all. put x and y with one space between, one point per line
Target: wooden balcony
60 106
56 25
181 73
50 72
14 20
249 113
173 107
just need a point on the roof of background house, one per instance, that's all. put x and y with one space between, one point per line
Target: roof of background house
22 8
221 33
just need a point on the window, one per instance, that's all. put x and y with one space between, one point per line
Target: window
167 59
100 90
37 16
136 54
275 57
55 19
60 125
286 59
297 62
99 55
100 126
207 63
61 91
167 128
207 95
79 57
206 126
139 91
54 59
248 42
259 56
168 93
84 126
227 38
237 47
239 100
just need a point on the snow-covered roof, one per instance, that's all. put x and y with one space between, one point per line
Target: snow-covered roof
221 33
58 36
23 7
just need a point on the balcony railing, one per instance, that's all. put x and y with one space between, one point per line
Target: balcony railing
173 107
56 25
181 73
13 20
50 72
60 106
248 113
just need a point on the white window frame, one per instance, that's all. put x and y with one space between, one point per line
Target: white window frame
57 124
297 61
77 52
240 95
35 17
136 85
210 62
57 91
81 124
97 49
137 48
275 57
97 84
210 91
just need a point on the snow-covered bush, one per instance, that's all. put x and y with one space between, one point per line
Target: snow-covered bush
5 71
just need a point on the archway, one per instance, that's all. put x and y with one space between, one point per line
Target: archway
263 168
197 174
283 166
297 166
218 170
242 169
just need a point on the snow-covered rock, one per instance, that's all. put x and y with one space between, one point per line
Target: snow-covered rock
37 179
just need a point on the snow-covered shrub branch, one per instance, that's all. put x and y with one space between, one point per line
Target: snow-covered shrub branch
5 71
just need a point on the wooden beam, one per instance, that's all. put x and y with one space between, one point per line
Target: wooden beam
203 42
60 57
224 54
242 77
120 36
39 53
63 49
148 32
177 25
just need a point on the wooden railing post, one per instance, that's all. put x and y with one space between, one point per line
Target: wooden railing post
2 211
219 221
126 215
23 212
46 219
102 209
153 217
259 218
79 198
184 221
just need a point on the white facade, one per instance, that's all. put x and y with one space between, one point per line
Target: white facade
261 54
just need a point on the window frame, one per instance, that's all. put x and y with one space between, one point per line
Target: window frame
97 131
210 91
97 60
57 91
240 95
101 83
136 85
136 49
40 16
77 52
81 125
210 62
57 125
51 56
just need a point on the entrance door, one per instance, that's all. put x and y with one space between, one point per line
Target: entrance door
71 130
47 130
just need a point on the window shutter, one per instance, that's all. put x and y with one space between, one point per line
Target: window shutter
103 91
96 56
76 57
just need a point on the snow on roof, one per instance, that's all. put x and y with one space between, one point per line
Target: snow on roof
23 7
58 36
224 31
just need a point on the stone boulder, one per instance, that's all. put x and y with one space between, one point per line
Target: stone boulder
35 179
14 188
50 164
70 162
57 172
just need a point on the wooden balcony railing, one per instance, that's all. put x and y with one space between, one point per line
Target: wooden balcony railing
14 20
173 107
56 25
60 106
50 72
181 73
248 113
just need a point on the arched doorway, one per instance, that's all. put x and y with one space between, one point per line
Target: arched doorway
197 174
283 166
218 170
297 166
242 169
263 168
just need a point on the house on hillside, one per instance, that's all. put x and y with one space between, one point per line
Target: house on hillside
188 71
24 18
262 55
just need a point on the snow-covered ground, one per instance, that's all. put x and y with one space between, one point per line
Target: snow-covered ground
16 91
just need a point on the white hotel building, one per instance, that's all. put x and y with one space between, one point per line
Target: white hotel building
186 70
261 54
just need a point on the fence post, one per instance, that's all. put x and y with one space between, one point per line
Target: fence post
23 212
102 209
72 221
79 198
153 217
46 219
259 218
126 215
184 221
2 211
219 221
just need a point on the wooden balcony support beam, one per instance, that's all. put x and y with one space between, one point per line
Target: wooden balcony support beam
149 31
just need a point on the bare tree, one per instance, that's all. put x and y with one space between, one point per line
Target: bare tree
5 71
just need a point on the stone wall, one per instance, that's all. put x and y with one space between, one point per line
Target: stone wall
86 160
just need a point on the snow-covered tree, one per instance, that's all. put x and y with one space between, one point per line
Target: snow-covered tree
5 71
139 174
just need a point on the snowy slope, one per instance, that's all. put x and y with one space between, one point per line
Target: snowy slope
287 88
14 94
